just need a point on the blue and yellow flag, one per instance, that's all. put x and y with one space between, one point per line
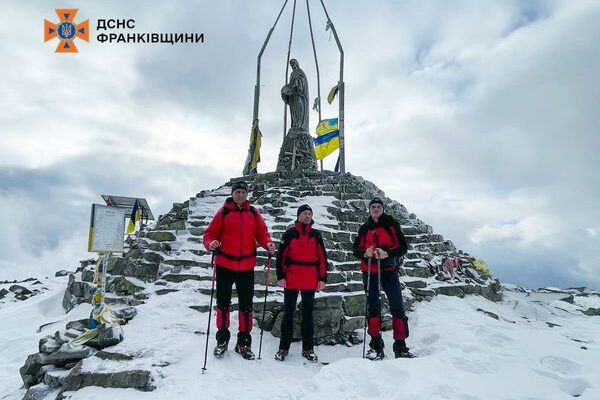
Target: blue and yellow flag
134 217
328 138
253 157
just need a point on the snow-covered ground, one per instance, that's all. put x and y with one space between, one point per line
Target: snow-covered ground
538 348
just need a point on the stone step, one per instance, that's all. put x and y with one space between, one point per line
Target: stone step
119 378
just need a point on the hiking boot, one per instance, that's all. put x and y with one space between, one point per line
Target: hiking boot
310 355
281 354
220 349
374 355
244 351
401 350
376 346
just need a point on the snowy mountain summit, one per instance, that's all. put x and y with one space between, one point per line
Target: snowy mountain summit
473 337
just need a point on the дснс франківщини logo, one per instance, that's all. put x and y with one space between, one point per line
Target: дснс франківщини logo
66 30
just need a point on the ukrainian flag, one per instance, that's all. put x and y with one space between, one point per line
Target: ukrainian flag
328 138
253 157
135 216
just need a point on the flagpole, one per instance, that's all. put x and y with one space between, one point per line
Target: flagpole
341 91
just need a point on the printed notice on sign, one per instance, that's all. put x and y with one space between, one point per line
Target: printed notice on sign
107 228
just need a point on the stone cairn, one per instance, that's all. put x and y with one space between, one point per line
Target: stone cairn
171 254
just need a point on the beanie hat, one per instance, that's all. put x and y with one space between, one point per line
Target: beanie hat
303 207
376 200
239 185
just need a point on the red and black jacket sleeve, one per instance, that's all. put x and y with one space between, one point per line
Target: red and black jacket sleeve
261 231
399 248
281 252
359 247
322 258
213 232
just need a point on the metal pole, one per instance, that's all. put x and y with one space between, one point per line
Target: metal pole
104 267
287 67
257 87
312 38
340 91
367 305
262 325
212 291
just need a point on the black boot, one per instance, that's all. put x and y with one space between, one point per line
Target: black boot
310 355
243 346
401 350
281 354
376 349
222 336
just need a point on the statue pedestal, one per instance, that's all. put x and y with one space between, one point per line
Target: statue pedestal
297 152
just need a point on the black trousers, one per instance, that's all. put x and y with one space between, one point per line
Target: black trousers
244 284
290 297
390 283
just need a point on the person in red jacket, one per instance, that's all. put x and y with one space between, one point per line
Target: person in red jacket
301 264
232 235
381 240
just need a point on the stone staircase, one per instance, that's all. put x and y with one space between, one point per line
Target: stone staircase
170 257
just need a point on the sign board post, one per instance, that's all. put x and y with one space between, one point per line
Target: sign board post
107 227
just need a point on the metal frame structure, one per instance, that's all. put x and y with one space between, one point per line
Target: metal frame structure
341 89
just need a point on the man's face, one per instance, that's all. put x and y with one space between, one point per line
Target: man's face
305 217
376 210
239 196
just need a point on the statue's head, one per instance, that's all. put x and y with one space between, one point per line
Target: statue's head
294 63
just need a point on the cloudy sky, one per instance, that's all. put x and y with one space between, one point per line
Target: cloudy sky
480 117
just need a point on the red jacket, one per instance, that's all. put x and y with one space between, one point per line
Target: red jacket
238 228
385 234
301 258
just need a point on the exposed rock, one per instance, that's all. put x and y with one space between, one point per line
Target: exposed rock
423 293
450 291
177 278
48 345
161 292
354 305
489 313
416 284
107 355
54 378
592 311
107 336
39 392
77 292
153 257
64 355
201 308
138 379
62 272
123 286
161 236
17 289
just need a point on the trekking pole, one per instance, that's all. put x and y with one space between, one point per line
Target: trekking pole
379 284
262 324
212 291
367 305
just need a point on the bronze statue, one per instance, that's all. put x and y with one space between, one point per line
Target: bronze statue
295 95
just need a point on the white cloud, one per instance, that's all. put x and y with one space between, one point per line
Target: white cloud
479 116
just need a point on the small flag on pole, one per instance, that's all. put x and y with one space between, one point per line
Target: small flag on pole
332 93
135 217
